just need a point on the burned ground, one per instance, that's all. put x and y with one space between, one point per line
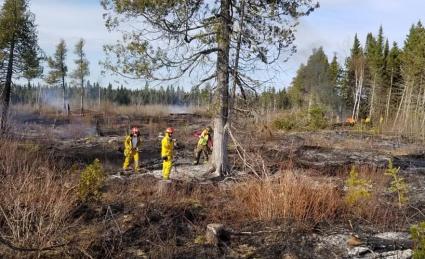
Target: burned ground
134 220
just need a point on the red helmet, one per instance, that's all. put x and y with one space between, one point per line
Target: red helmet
169 130
135 130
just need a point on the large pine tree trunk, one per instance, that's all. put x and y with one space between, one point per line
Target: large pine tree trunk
7 89
220 121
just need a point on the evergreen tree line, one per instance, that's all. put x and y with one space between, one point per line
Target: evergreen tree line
95 93
379 81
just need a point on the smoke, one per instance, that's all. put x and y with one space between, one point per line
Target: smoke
179 109
77 129
51 97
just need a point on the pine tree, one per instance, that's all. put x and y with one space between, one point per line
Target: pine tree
82 69
19 51
58 69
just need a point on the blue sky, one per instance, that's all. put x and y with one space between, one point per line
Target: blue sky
332 26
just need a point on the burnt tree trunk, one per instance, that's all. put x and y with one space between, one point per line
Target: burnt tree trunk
220 161
65 108
7 89
82 96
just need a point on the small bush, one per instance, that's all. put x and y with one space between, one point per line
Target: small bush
418 235
91 180
286 123
398 184
358 188
313 119
317 118
292 121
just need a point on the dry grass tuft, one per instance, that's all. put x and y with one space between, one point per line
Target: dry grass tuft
35 201
289 197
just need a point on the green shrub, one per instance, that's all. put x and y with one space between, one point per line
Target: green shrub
286 123
317 118
91 181
418 235
358 188
312 119
398 184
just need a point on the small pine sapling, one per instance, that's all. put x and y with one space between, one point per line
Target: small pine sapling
398 184
91 181
418 236
358 188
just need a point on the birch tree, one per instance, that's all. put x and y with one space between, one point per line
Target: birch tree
352 90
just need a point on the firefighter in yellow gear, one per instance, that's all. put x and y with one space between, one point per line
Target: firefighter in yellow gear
167 149
202 146
132 145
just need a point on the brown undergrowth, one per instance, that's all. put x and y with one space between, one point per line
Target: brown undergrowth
35 201
39 211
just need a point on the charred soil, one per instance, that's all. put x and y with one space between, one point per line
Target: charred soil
284 197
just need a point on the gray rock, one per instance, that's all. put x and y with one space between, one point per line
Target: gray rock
393 235
398 254
357 251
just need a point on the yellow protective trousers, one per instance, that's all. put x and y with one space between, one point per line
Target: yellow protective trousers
129 157
166 167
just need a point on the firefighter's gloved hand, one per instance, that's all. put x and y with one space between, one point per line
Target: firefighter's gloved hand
164 158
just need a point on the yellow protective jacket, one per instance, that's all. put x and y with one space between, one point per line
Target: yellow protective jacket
203 139
167 146
128 144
